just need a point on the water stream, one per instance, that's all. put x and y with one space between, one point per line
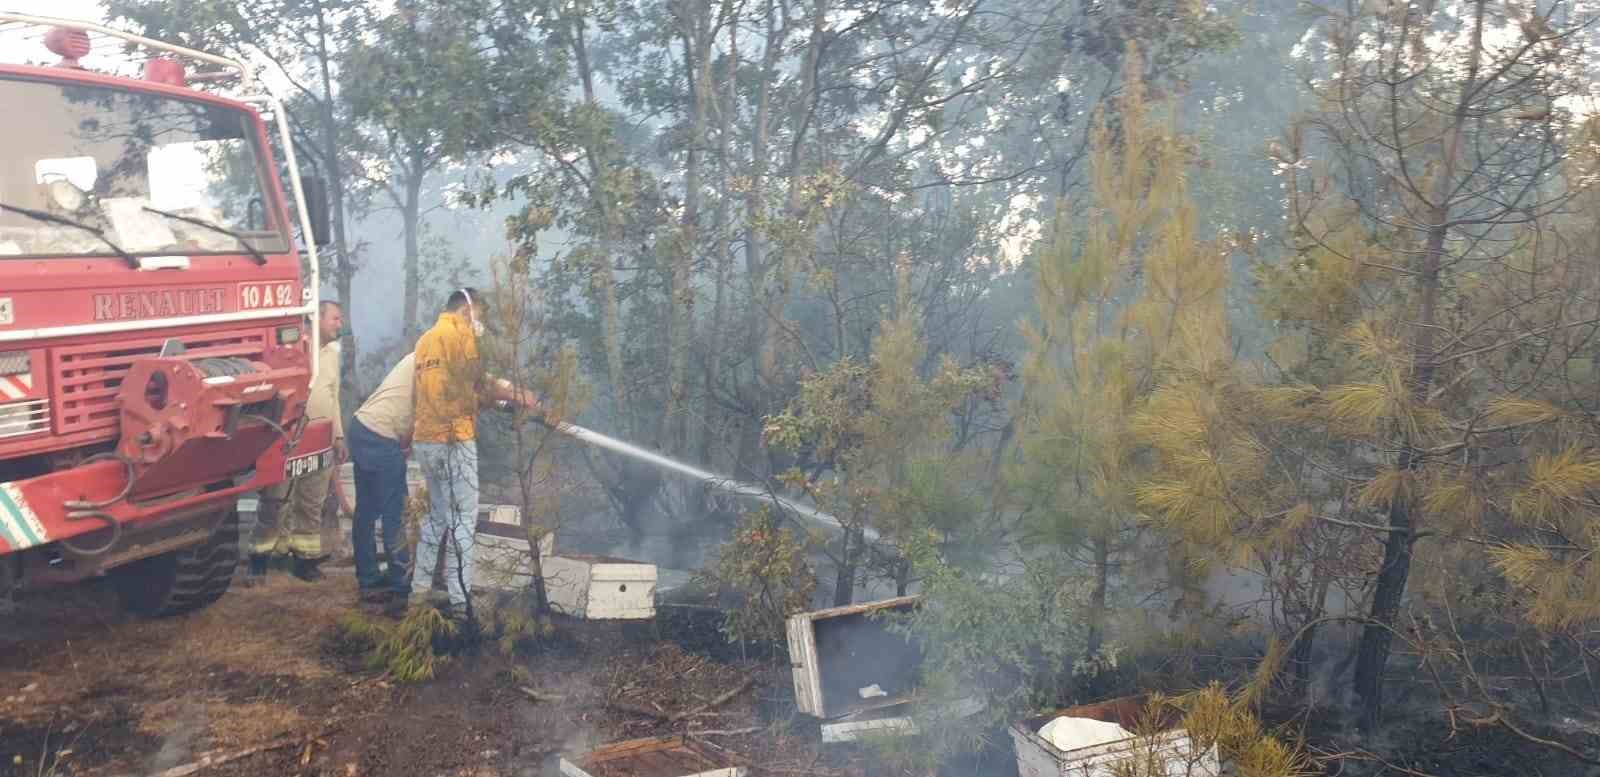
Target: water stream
714 480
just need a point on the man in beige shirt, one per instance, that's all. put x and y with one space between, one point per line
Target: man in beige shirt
290 520
380 439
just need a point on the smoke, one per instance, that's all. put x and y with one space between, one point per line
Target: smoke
177 744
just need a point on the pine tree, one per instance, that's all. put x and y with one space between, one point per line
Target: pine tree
1123 293
1426 414
875 433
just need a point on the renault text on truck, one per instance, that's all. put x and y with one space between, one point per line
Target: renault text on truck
154 350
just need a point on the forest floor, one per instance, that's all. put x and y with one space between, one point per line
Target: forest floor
263 680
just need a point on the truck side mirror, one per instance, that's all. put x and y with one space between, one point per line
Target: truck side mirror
316 192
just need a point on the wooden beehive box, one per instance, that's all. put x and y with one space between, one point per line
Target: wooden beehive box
1167 753
600 587
654 757
500 559
838 651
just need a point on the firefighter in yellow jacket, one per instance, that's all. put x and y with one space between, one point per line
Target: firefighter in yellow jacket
290 518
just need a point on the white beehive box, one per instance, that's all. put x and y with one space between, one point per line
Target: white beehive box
837 651
600 587
1167 753
675 756
500 558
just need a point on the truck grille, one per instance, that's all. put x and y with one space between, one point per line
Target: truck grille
87 376
27 417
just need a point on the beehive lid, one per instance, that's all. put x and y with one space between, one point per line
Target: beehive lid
596 559
1125 711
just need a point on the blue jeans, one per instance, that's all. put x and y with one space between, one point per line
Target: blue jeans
451 470
380 468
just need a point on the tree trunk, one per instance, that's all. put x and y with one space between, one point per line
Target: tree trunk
1097 597
1300 658
1373 652
632 499
709 412
757 325
776 291
411 211
603 264
844 581
680 311
344 269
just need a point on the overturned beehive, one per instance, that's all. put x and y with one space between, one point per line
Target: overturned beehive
847 662
655 757
1167 751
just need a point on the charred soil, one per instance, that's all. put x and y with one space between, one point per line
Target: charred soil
262 683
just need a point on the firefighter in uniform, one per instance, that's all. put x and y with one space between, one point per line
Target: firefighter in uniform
290 519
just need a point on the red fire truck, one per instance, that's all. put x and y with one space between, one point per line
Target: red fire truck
154 350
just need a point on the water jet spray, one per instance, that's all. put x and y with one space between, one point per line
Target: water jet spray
712 479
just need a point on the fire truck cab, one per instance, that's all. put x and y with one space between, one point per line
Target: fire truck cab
155 352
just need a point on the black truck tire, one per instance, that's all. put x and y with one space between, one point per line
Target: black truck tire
184 580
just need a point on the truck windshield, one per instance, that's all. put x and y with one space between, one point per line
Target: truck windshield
155 174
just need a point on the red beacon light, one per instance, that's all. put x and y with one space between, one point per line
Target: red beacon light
163 70
69 43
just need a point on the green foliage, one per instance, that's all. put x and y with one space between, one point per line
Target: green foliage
882 433
767 566
513 623
408 651
1009 638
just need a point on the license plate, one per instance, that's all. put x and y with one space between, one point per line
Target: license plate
258 295
301 466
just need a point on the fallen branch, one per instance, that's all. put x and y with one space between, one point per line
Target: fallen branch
1497 719
217 758
537 696
675 717
736 732
638 709
717 702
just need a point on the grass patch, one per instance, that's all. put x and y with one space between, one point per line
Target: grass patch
410 651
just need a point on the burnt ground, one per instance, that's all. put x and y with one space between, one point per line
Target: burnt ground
86 690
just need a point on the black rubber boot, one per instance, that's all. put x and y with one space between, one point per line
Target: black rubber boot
306 569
